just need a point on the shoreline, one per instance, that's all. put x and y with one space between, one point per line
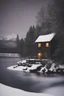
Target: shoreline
8 55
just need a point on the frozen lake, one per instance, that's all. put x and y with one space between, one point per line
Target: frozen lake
28 81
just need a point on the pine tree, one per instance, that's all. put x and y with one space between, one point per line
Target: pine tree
17 42
29 41
47 20
21 47
17 39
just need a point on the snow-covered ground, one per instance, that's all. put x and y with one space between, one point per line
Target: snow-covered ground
37 67
24 68
9 91
9 55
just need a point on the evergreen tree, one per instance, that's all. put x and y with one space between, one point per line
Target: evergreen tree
17 42
17 39
21 47
29 41
47 20
38 31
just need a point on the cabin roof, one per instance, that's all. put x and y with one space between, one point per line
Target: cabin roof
45 38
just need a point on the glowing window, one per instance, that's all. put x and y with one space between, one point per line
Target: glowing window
39 55
47 44
39 45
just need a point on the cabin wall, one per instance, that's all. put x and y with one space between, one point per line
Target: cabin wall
45 51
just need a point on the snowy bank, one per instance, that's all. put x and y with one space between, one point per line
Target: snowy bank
24 68
9 91
39 67
9 55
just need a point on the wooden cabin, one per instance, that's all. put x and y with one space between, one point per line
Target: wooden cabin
45 46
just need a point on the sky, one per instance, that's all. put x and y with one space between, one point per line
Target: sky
16 16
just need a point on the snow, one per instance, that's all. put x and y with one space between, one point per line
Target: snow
11 37
0 38
19 62
37 67
56 90
9 55
52 67
9 91
34 66
41 69
45 38
23 61
61 66
22 68
17 68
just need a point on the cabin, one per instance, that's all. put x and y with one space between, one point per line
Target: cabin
45 46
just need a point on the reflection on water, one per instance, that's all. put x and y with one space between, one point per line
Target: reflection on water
29 81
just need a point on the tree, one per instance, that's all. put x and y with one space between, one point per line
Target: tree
38 31
47 19
40 16
29 41
17 42
21 47
17 39
52 17
58 26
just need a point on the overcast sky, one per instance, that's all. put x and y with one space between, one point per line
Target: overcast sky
16 16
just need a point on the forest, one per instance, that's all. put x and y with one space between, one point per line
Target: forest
47 22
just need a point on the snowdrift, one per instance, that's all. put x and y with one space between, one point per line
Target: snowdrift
9 91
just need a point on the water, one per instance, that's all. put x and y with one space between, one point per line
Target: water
30 82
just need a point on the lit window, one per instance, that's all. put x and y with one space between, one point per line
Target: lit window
47 44
39 45
39 55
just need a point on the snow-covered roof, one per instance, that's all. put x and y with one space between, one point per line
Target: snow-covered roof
45 38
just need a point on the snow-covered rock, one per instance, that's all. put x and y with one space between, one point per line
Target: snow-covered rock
43 69
48 68
52 67
61 66
24 68
33 67
21 62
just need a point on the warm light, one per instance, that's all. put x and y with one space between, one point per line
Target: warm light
39 45
39 55
47 44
